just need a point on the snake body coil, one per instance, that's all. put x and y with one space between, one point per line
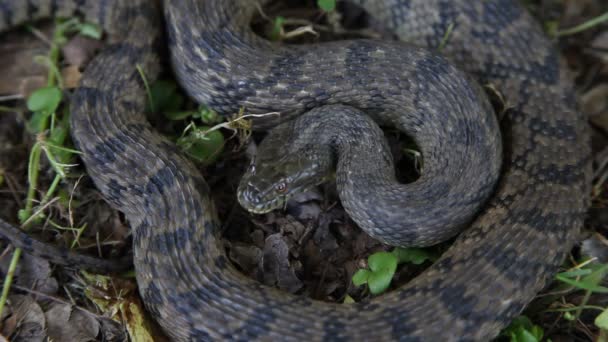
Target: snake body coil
302 153
486 278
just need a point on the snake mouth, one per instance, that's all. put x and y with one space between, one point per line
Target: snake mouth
253 202
263 209
260 210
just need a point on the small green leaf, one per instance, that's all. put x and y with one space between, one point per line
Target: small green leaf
522 335
208 116
589 282
60 40
522 329
58 135
378 282
522 321
383 266
575 273
327 5
90 30
412 255
360 277
598 273
601 321
23 215
38 122
537 332
569 316
57 139
382 261
348 300
44 100
205 149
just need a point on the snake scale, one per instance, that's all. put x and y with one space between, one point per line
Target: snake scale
300 154
490 273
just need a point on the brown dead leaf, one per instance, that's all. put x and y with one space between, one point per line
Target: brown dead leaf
599 47
293 230
36 274
112 331
305 206
32 273
324 239
257 237
21 75
277 268
31 323
68 324
79 50
18 71
247 257
595 104
26 86
596 246
71 76
9 324
576 12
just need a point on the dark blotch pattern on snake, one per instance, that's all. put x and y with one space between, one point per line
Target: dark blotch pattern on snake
494 268
302 153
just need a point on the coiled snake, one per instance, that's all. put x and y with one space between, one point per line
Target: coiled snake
489 274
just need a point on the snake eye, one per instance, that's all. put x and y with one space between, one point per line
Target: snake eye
281 187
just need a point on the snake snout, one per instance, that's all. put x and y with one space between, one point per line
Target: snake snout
250 198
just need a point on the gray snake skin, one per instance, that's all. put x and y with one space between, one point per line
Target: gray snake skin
459 172
495 267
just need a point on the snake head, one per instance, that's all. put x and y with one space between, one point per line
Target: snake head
273 178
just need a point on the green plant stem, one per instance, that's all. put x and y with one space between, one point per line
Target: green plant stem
34 168
147 86
79 232
584 302
8 280
446 37
58 35
584 26
578 307
51 190
7 109
54 76
33 173
53 58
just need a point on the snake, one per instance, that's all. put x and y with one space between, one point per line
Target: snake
300 154
506 253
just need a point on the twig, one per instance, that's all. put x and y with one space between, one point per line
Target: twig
11 97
